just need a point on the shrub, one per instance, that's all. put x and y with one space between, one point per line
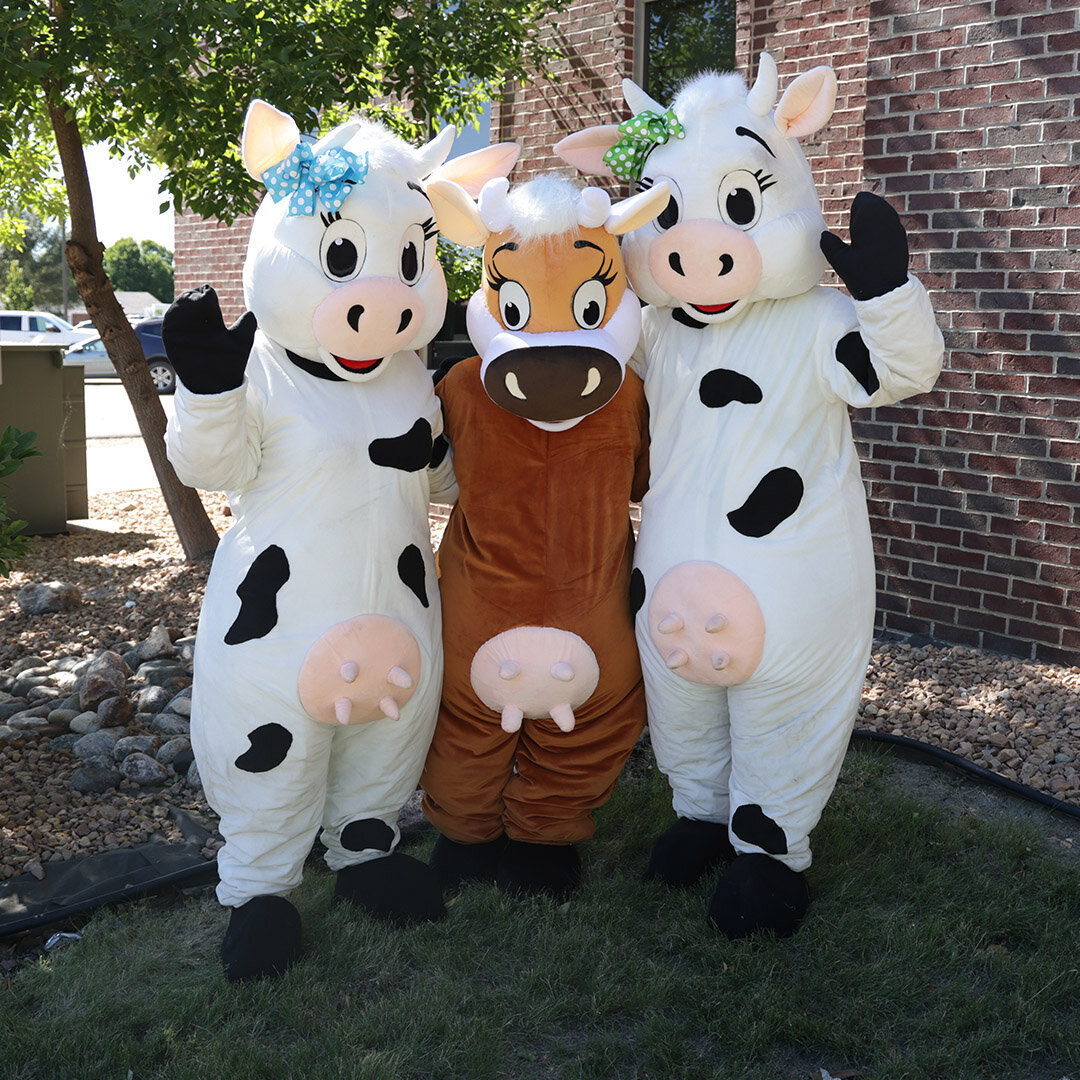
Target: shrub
15 447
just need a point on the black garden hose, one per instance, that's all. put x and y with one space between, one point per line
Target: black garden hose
910 750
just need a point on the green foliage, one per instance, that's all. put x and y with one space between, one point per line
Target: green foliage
938 945
15 447
170 83
145 267
683 39
463 268
17 292
37 253
28 177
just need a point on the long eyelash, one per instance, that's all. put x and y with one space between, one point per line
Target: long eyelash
431 230
764 179
645 183
329 219
606 274
495 280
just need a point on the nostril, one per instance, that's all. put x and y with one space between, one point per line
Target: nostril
726 265
406 318
353 317
676 263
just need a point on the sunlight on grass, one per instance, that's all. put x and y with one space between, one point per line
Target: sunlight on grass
934 948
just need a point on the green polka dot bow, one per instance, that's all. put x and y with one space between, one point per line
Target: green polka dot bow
303 175
640 134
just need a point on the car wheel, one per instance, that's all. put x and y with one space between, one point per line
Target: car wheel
161 371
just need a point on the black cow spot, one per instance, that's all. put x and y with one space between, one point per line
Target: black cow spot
723 386
258 596
753 826
369 834
269 745
413 573
852 352
313 367
410 452
439 449
774 500
637 591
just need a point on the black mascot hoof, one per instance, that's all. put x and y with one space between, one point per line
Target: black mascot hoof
263 939
552 870
759 893
396 887
455 863
688 851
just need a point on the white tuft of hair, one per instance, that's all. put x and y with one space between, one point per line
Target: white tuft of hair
383 148
707 92
544 207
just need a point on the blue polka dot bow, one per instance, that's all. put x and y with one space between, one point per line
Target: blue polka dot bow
640 134
302 176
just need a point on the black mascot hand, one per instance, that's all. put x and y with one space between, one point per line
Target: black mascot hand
209 357
876 260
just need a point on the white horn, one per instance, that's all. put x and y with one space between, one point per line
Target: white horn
638 100
494 204
762 97
594 206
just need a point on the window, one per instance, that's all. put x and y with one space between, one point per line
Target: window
680 38
10 322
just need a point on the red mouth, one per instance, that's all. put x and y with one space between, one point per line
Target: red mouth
359 366
713 309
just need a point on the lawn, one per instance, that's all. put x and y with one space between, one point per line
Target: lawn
937 946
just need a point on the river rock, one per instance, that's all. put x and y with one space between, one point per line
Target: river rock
43 598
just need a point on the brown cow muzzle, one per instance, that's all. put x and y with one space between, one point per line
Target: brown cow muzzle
552 383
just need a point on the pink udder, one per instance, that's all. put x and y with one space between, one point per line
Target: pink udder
706 624
359 671
535 671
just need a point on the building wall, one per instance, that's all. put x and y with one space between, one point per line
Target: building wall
208 252
964 116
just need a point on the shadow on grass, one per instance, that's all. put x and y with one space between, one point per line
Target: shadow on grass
937 946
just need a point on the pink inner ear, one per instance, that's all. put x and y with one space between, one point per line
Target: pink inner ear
585 149
807 103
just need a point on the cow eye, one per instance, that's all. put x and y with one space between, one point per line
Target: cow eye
412 254
513 305
590 304
342 250
739 199
671 213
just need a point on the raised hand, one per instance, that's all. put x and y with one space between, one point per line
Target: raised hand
876 260
209 357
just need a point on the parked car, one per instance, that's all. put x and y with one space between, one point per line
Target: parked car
39 322
95 360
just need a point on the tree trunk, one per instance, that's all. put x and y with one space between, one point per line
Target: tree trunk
197 535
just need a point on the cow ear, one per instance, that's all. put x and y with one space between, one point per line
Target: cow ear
457 215
638 210
473 171
268 138
807 103
585 149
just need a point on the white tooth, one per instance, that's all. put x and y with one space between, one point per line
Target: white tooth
592 382
512 386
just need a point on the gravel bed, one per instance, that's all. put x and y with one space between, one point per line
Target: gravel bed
1017 718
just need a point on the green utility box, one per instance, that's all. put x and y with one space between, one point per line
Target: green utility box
38 393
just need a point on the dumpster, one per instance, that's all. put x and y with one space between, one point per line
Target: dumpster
39 394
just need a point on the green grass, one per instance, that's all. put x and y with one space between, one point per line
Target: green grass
935 948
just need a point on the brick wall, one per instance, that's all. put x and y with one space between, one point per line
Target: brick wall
208 252
971 134
595 38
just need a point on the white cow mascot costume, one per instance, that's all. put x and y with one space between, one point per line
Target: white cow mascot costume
754 568
318 662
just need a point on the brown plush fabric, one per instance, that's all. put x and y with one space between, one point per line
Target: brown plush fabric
540 536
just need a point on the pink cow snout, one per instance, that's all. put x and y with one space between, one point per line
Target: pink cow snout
367 320
706 264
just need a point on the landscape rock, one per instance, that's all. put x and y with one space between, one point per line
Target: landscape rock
142 769
43 598
158 645
95 779
96 744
